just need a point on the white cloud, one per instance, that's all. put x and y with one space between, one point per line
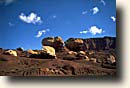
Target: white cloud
84 12
83 32
39 34
6 2
93 30
32 18
95 10
113 18
103 2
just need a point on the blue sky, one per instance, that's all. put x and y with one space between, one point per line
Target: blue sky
24 23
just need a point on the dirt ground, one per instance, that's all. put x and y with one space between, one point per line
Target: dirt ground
64 65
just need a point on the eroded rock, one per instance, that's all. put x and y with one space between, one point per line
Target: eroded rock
49 50
55 42
11 52
75 44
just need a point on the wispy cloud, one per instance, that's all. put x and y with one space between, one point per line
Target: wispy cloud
31 18
54 16
113 18
10 24
39 34
93 30
84 12
6 2
83 32
103 2
95 10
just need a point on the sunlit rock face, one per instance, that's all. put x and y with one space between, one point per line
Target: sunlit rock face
75 44
49 50
11 52
55 42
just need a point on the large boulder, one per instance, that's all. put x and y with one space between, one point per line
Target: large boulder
48 50
58 43
31 51
11 52
75 44
55 42
93 60
81 54
72 53
49 41
111 59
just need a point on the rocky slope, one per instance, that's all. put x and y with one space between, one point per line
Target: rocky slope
74 57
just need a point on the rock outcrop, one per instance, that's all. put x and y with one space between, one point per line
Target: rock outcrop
47 52
78 44
11 52
75 44
100 43
111 59
55 42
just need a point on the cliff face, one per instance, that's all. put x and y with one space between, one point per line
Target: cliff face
104 43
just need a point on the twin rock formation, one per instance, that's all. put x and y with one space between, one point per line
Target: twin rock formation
78 44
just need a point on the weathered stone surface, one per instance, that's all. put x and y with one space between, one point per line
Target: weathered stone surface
31 52
86 58
72 53
49 50
111 59
81 54
55 42
94 60
11 52
78 44
49 41
75 44
100 43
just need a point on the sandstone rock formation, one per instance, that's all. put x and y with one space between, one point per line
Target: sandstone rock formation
86 58
111 59
100 43
55 42
75 44
49 41
11 52
81 53
94 60
31 51
72 53
49 50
